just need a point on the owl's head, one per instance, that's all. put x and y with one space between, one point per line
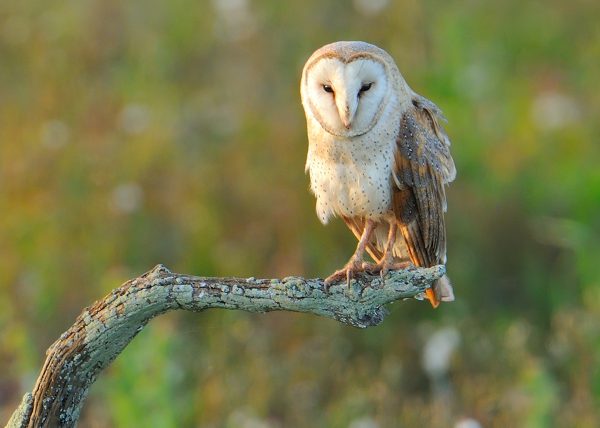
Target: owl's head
346 85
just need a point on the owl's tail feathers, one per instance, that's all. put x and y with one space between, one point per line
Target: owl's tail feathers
441 291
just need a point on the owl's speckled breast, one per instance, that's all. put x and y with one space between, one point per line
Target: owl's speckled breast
352 177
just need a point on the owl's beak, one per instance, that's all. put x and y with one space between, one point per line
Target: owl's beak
347 123
346 109
347 115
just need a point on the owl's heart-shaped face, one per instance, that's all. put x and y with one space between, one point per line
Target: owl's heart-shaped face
345 97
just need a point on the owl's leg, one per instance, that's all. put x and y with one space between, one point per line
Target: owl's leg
387 262
355 264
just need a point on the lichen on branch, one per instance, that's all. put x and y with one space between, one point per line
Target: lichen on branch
104 329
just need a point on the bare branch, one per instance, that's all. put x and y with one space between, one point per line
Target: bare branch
103 330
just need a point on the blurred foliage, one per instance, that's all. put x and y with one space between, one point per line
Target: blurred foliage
133 133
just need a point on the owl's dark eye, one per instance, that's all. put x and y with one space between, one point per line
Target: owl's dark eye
328 88
365 87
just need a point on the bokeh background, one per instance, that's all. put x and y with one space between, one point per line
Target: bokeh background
141 132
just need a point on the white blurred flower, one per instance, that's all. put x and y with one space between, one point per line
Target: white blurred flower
365 422
55 134
234 21
467 423
438 351
243 418
552 110
134 119
126 198
370 7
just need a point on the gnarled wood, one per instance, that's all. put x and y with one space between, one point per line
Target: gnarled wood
103 330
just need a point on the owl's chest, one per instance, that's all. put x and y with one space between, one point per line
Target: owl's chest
352 177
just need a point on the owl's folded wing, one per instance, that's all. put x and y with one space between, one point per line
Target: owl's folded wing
423 165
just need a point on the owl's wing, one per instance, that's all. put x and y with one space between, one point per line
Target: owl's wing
422 167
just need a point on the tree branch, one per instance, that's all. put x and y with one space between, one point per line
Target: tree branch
103 330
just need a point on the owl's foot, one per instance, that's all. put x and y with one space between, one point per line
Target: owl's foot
351 268
387 261
355 264
384 266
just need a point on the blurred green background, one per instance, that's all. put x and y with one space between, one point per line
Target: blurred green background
139 132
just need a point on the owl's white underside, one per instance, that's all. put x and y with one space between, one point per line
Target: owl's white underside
351 168
351 177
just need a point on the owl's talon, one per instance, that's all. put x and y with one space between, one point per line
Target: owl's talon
370 268
335 277
348 272
385 266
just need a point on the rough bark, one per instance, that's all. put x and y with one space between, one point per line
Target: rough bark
103 330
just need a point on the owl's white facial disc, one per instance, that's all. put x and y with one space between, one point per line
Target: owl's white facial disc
346 98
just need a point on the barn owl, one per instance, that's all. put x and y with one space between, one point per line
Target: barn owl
378 158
